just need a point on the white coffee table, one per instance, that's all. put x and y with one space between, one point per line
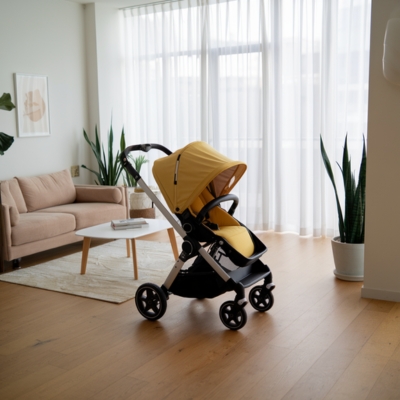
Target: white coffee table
104 231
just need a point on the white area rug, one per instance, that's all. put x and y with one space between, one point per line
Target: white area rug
109 272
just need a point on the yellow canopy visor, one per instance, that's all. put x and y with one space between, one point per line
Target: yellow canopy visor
184 174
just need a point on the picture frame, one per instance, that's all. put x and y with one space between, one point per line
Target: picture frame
32 105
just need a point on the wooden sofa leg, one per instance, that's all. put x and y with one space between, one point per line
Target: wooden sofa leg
16 263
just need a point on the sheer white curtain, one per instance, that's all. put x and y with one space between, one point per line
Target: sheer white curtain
259 80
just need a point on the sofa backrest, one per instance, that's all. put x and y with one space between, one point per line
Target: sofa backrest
47 190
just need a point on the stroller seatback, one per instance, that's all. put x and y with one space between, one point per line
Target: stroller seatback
224 225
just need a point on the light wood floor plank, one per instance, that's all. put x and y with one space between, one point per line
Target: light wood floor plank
387 386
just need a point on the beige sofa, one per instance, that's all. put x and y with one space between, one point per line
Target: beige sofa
42 212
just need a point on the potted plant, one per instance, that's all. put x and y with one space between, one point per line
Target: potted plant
5 140
348 248
110 167
129 180
140 204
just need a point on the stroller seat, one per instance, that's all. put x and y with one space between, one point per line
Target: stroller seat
223 225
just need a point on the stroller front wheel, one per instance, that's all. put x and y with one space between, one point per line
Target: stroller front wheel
232 316
261 299
151 301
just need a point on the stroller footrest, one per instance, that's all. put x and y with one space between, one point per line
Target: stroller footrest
251 274
250 280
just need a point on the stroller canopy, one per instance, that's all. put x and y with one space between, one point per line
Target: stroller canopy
184 174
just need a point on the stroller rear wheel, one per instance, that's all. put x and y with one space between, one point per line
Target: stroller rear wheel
151 301
232 316
261 299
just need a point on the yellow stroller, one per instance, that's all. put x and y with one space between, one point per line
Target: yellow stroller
194 181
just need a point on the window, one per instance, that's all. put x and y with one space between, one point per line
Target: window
259 80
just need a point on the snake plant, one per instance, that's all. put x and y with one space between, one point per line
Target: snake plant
137 163
352 223
5 140
110 167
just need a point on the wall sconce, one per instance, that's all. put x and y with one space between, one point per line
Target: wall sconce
391 50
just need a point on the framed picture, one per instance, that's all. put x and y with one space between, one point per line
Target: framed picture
32 104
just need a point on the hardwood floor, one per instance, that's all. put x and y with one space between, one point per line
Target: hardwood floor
321 340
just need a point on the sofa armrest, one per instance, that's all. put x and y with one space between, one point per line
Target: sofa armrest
101 194
5 232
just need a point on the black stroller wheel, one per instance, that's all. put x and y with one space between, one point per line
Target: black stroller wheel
151 301
232 316
261 299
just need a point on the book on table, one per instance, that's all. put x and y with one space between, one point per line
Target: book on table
130 223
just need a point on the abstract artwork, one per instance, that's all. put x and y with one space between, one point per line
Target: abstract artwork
32 101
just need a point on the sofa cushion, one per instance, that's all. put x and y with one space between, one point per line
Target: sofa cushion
89 214
16 193
47 190
98 194
37 226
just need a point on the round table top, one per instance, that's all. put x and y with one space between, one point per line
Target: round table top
105 231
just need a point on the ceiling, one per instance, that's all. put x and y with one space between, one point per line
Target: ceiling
117 3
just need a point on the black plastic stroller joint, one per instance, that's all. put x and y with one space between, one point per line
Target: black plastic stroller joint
270 286
240 298
190 248
166 292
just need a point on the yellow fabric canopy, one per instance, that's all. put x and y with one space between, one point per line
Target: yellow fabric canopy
184 174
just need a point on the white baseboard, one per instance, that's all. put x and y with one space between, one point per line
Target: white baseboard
378 294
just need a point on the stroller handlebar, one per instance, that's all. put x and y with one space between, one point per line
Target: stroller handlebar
146 147
216 202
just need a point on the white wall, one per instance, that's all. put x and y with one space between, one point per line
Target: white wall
104 69
382 260
46 38
77 47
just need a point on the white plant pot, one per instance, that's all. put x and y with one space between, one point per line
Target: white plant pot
140 201
349 260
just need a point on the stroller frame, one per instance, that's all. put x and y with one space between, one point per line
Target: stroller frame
151 300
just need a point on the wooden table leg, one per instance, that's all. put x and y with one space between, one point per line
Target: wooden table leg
134 258
172 239
128 248
85 254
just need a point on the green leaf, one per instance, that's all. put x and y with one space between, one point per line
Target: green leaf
5 142
96 173
6 103
328 168
137 162
358 228
348 184
122 143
